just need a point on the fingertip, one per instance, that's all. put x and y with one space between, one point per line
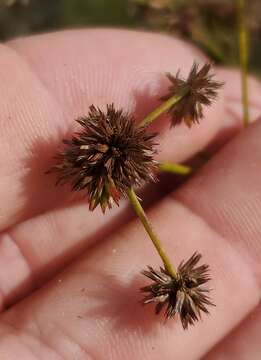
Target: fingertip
105 65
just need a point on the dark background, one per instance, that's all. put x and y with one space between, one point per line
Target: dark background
211 24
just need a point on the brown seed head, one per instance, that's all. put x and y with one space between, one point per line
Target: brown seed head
183 295
201 90
110 155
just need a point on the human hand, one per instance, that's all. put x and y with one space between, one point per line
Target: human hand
91 310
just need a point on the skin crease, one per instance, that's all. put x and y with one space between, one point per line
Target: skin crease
90 309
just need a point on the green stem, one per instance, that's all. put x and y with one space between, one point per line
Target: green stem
243 49
145 222
165 106
175 168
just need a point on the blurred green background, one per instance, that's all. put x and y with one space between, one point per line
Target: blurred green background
211 24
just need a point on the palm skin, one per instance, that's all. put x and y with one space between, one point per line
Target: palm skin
89 308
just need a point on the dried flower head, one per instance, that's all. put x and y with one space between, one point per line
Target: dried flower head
183 295
201 90
111 154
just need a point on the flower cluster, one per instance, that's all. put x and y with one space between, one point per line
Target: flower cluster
183 295
200 90
109 156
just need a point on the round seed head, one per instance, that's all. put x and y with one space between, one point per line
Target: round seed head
111 154
183 295
201 89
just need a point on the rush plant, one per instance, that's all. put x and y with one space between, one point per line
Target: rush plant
113 154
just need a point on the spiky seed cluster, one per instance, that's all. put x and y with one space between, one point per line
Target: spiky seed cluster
183 295
110 155
201 90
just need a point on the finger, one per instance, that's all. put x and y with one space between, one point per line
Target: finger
243 342
28 115
39 115
94 304
77 76
102 73
31 252
137 74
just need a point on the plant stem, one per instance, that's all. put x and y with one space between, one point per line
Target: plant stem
165 106
243 49
175 168
145 222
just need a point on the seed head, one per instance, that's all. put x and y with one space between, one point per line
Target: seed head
107 157
201 90
183 295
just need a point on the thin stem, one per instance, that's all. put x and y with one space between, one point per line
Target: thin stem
145 222
175 168
165 106
243 49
